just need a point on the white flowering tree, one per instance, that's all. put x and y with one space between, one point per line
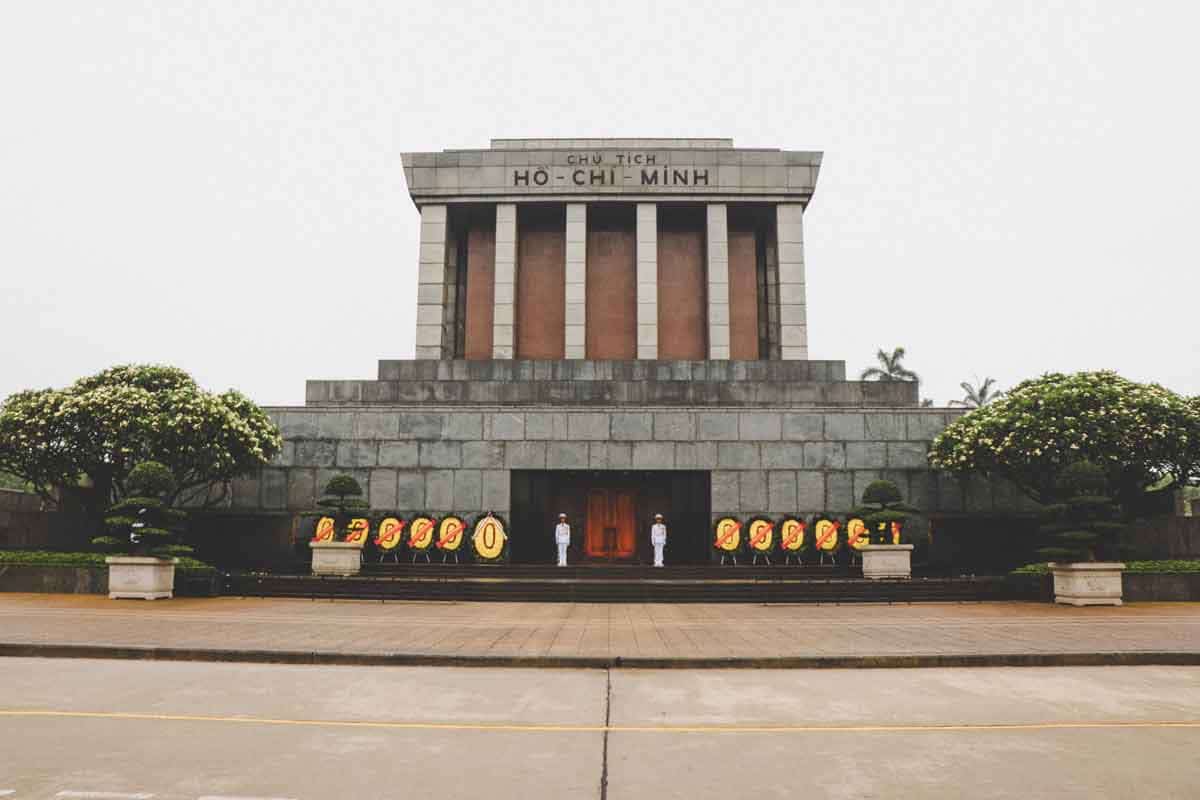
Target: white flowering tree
81 442
1137 433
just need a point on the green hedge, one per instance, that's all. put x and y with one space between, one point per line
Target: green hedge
1173 566
48 558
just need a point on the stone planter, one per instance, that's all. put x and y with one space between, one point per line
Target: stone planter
1088 583
336 558
141 577
887 561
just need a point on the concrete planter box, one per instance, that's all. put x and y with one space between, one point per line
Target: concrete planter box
887 561
1088 583
141 577
336 558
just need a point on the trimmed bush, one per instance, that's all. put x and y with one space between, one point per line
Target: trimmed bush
882 507
342 486
1164 567
881 492
1084 522
144 524
342 494
53 558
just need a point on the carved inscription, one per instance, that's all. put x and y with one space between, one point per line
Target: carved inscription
609 170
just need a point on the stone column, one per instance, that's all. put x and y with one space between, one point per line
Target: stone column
576 321
431 282
793 324
647 280
503 339
717 252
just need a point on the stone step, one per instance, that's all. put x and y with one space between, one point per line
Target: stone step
732 587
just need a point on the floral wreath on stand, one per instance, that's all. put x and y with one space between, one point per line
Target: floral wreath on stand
450 536
727 538
388 537
826 535
489 538
761 536
357 531
792 538
422 530
858 536
325 530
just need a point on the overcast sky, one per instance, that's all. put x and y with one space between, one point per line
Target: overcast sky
1008 188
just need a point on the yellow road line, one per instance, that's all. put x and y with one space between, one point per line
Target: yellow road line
560 728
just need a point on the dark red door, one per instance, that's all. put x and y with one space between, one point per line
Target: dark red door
610 534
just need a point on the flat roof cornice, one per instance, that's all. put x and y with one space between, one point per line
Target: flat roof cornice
589 170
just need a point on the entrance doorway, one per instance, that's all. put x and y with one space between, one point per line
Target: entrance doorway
611 518
610 513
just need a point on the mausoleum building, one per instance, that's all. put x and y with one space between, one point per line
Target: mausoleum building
612 250
610 328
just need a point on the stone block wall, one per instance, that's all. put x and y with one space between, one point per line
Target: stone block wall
456 459
646 383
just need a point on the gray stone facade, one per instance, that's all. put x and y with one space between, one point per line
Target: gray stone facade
580 382
455 459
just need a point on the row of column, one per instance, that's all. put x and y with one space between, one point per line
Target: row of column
431 291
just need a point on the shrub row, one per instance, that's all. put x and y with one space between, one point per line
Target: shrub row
1164 567
50 558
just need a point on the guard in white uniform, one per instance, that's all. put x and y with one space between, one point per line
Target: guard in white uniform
658 538
562 538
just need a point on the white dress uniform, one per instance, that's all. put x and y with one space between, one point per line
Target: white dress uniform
562 538
658 538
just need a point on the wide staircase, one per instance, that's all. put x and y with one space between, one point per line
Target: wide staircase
621 583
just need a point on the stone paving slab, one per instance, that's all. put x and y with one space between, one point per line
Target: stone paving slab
597 634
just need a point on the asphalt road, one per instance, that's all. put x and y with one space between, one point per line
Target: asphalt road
120 729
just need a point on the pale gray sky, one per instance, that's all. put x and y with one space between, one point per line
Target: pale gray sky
1008 187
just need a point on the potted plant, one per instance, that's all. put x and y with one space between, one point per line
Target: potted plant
1080 528
143 533
336 555
884 513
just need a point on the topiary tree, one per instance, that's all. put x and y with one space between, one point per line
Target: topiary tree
80 443
342 494
1084 521
882 506
143 523
1135 433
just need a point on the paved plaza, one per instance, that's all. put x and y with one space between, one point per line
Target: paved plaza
181 731
592 634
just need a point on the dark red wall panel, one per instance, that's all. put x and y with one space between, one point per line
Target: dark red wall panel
541 282
682 287
611 282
